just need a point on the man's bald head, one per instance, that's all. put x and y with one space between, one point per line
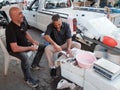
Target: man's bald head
13 11
16 14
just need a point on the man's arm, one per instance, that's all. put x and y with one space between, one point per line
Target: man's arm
28 36
16 48
49 39
69 41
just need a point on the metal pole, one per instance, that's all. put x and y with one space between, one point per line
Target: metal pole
84 2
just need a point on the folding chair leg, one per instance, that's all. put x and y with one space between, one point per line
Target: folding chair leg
6 64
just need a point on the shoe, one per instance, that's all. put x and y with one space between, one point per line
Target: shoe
53 72
36 67
33 83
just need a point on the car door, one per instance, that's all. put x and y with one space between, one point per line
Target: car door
31 13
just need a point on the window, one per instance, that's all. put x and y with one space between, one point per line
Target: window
35 5
53 4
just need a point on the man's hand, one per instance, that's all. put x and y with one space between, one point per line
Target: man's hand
33 47
36 42
57 48
69 52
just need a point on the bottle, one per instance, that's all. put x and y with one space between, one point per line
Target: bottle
43 40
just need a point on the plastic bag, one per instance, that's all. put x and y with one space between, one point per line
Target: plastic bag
65 84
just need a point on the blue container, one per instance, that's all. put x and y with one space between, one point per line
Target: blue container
44 41
115 10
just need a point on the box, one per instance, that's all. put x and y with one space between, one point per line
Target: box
76 3
87 3
73 68
101 82
115 18
89 86
79 80
73 73
100 51
115 58
107 68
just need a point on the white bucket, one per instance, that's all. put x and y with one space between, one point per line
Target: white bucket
85 59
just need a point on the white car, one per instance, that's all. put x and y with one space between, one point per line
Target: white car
29 2
2 3
10 1
88 24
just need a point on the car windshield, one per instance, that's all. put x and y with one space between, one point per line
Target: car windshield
29 2
53 4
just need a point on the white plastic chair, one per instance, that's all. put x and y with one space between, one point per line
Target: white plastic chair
7 56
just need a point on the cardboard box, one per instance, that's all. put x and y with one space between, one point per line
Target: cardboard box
87 3
89 86
115 18
79 80
114 58
73 73
76 3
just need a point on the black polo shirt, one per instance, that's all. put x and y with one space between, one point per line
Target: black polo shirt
61 36
15 33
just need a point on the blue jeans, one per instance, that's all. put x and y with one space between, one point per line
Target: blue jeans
38 55
24 64
24 60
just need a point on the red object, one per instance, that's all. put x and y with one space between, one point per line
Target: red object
109 41
74 24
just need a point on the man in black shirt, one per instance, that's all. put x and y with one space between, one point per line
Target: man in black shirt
58 34
19 42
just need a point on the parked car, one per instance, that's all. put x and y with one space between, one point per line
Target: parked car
89 25
6 2
39 13
9 2
29 2
2 3
3 18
